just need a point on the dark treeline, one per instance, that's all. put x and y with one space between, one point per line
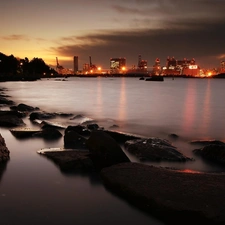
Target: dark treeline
12 68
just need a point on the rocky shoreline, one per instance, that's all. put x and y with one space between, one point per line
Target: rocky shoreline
173 196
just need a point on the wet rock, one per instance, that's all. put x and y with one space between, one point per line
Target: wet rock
24 108
92 126
4 152
212 152
5 101
170 195
154 149
48 133
73 140
10 112
173 136
105 151
24 132
206 142
49 124
80 129
11 121
70 159
121 137
42 115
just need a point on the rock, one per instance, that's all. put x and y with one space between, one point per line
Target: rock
11 121
4 152
69 159
42 115
172 196
5 101
92 126
48 133
212 152
104 150
48 124
206 142
10 112
80 129
24 132
154 149
173 136
23 107
73 140
121 137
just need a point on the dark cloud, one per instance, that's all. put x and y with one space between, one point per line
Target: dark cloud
204 42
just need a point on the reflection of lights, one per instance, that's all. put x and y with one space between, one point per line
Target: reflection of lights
189 171
209 73
99 68
51 74
123 68
91 71
44 74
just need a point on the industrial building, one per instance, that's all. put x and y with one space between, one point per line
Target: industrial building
117 65
181 67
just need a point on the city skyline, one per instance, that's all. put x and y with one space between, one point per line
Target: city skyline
108 29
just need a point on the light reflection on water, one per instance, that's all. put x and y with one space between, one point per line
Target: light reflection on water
34 190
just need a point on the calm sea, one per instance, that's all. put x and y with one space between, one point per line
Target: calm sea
33 190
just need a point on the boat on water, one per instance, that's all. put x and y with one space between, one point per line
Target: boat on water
155 78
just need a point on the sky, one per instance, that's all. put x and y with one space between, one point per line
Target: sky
105 29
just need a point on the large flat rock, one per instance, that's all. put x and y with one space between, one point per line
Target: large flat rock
176 197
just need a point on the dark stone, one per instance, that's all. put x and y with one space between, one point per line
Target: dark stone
10 112
174 197
73 140
154 149
11 121
42 115
207 142
24 132
48 124
5 101
212 152
93 126
80 129
173 136
105 151
76 160
48 133
4 152
23 107
121 137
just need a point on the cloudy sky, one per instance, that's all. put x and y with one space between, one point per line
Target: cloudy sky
104 29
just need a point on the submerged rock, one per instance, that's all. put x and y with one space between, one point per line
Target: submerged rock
24 132
170 195
4 152
11 121
69 159
206 142
24 108
73 140
154 149
105 151
212 152
48 133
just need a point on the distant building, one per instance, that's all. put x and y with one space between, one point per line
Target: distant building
156 67
117 65
222 67
142 64
75 64
181 67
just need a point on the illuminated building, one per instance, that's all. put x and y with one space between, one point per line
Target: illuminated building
75 64
142 64
156 67
181 67
222 67
117 65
